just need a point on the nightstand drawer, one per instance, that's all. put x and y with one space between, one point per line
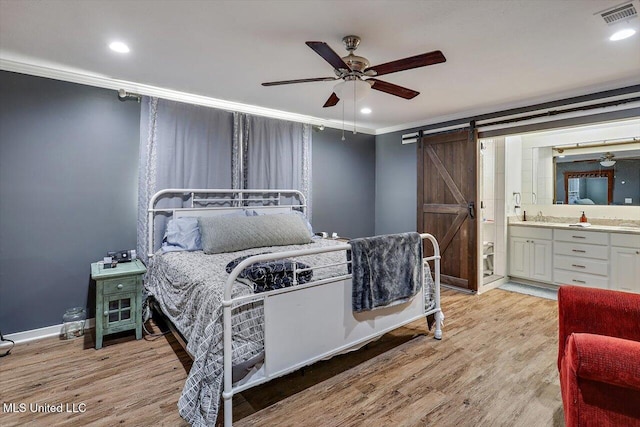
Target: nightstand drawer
119 285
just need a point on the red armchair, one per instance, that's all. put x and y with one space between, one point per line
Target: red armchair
599 356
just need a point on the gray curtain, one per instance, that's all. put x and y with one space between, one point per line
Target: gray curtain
182 146
278 155
190 146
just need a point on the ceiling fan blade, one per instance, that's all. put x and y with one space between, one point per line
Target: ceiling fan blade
423 60
392 89
287 82
323 49
333 100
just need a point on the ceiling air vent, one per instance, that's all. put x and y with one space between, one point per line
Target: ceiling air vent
619 13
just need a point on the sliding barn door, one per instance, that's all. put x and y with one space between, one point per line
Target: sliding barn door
447 203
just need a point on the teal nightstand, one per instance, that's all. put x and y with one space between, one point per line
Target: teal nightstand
118 298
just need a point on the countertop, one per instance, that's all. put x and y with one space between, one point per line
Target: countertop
564 226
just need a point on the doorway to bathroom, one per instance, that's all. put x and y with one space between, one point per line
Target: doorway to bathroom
492 208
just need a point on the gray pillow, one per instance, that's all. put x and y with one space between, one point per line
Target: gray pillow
230 234
253 212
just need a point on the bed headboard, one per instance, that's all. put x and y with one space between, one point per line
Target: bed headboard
181 202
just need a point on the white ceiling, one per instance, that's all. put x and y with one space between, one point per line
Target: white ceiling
500 54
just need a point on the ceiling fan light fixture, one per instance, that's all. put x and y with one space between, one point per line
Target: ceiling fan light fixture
347 88
607 160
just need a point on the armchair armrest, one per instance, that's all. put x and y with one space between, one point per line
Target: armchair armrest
597 311
604 359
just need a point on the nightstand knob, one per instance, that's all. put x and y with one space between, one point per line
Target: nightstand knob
106 313
119 286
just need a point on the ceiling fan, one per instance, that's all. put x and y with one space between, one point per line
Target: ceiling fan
607 160
357 69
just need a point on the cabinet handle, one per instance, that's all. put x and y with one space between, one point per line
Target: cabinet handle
119 286
579 237
579 281
106 313
579 266
578 250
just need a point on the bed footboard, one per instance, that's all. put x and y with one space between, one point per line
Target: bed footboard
293 336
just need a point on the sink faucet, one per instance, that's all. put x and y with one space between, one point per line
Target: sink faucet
539 217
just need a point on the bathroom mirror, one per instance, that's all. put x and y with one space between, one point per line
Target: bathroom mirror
608 178
596 164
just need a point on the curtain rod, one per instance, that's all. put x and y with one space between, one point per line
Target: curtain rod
123 95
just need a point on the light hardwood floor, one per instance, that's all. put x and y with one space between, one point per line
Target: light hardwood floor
495 366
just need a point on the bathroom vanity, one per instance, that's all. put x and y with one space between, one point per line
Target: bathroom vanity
600 256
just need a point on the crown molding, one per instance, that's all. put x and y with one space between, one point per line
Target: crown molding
105 82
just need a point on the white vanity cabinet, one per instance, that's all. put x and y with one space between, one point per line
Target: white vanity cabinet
581 258
555 253
530 253
625 262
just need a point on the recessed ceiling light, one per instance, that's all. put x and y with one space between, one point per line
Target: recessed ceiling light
622 34
366 110
119 47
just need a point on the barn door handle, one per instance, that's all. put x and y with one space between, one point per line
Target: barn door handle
472 210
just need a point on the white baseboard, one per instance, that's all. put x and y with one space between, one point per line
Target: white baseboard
492 285
46 332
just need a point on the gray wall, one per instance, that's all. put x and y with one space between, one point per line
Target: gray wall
68 190
396 184
343 185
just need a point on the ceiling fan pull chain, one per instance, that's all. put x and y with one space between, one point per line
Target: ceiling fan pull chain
354 107
343 121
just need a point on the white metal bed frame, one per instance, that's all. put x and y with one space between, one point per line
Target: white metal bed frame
287 310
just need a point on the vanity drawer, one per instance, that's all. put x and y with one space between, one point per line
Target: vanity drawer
531 232
583 265
579 236
625 240
564 277
578 250
124 284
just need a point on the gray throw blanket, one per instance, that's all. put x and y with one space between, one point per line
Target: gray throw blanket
385 269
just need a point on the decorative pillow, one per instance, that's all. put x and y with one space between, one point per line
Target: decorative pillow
182 234
252 212
229 234
270 275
